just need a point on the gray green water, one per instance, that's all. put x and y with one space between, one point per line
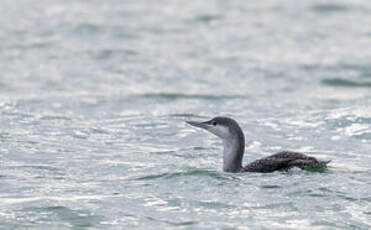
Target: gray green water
94 95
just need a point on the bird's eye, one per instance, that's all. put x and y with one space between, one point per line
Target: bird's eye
213 123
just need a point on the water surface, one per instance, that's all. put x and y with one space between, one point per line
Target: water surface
94 95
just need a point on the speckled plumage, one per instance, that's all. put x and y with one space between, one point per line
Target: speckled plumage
283 161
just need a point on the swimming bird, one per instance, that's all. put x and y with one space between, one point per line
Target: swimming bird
234 147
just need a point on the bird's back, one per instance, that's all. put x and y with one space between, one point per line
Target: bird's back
283 161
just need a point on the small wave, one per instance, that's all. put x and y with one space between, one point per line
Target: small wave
196 172
325 192
109 53
38 170
208 18
173 223
329 7
271 186
87 28
168 152
182 223
215 205
284 205
55 117
177 96
338 82
181 115
363 136
37 167
55 214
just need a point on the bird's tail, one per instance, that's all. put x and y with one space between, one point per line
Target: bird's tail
324 163
319 166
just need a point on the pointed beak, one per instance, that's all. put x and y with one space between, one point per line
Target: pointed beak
202 125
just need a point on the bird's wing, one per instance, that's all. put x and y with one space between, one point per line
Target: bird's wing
282 161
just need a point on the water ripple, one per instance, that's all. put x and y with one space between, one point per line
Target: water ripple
177 96
339 82
330 7
194 172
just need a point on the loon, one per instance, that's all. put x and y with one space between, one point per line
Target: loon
234 146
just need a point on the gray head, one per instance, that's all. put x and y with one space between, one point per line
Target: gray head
223 127
233 140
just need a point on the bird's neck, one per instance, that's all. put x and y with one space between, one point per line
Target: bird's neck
234 148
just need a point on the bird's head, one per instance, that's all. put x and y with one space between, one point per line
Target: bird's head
223 127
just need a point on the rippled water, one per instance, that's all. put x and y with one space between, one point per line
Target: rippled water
94 95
